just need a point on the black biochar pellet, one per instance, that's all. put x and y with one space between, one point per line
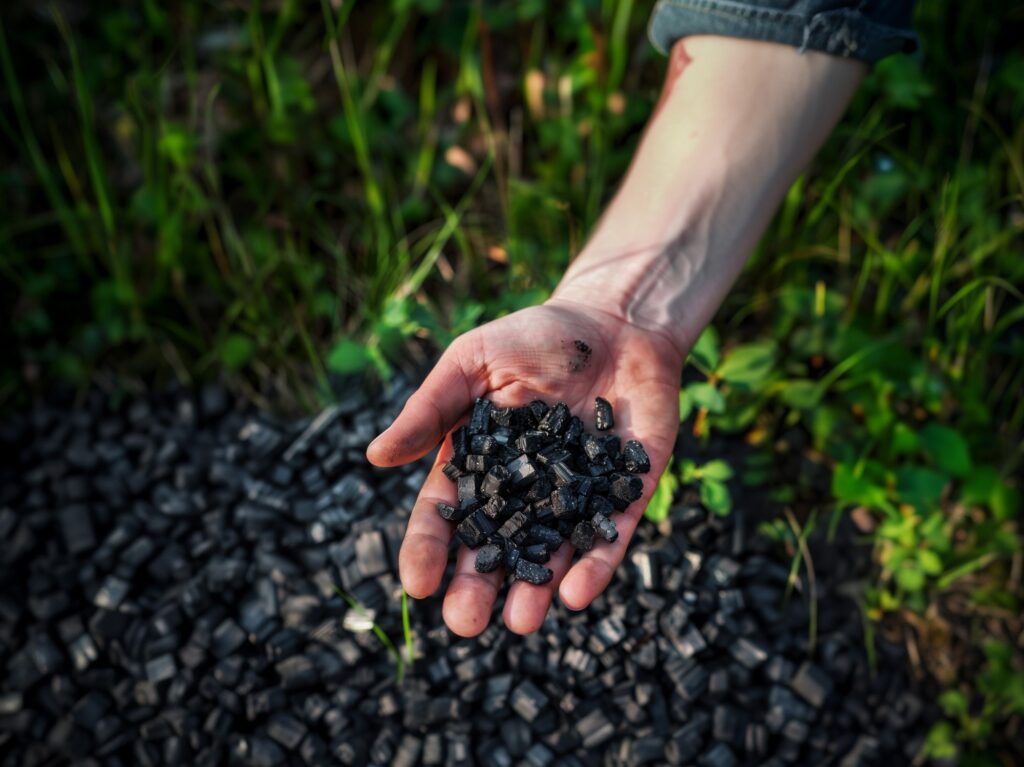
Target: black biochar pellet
603 417
530 477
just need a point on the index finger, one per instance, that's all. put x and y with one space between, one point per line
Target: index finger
424 552
445 394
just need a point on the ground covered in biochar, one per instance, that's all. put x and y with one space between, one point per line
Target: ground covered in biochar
179 573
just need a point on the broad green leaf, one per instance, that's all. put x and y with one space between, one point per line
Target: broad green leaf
236 350
661 501
348 357
706 351
707 396
984 487
904 439
850 488
910 578
930 562
953 702
940 743
748 364
979 486
1005 502
801 394
715 495
716 469
685 405
947 448
920 485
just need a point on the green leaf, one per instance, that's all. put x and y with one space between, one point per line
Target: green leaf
954 703
947 448
706 352
707 396
236 350
930 562
717 469
715 495
941 742
685 405
984 487
748 364
920 485
661 501
348 357
910 578
904 439
801 394
849 488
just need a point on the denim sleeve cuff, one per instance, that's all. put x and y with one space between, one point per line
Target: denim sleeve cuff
851 31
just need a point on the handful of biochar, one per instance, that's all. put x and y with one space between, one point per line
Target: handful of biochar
530 477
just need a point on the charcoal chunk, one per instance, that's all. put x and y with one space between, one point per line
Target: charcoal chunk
812 684
483 444
538 553
514 528
604 527
563 502
478 464
450 513
583 536
474 529
161 668
556 419
593 447
286 729
635 458
227 638
603 416
494 481
749 653
527 700
469 491
532 572
488 558
573 431
521 471
626 488
550 537
532 441
480 418
497 508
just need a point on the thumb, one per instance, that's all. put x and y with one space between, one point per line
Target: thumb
432 410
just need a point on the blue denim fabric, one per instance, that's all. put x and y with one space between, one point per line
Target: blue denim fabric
864 29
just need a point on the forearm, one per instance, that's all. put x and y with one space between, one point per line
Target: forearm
736 123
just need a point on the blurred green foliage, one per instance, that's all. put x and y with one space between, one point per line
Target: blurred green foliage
275 191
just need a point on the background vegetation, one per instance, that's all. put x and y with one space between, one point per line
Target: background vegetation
276 191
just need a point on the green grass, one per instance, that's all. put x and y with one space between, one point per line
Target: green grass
277 193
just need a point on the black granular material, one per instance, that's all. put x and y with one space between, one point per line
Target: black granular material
541 471
194 619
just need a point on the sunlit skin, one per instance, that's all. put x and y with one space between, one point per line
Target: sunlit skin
736 121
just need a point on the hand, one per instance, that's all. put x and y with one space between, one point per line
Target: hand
524 356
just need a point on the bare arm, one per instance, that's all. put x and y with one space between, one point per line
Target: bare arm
736 122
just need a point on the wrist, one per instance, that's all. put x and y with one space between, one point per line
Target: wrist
737 121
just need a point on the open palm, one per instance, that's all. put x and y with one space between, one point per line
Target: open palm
531 354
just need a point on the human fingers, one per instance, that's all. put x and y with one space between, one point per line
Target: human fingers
445 394
527 604
424 552
470 598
